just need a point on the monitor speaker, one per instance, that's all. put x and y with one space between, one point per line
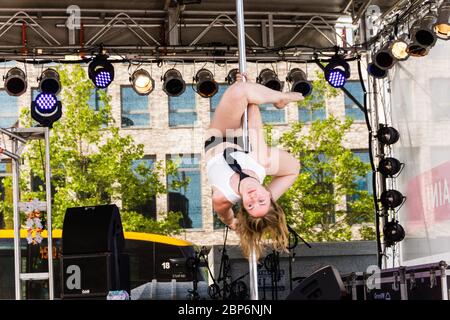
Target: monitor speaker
323 284
89 230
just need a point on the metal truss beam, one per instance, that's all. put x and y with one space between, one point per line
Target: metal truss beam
161 32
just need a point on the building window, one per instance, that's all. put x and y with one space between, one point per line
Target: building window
182 109
315 110
362 183
214 101
94 101
187 200
134 108
271 114
147 207
9 110
440 98
5 195
351 109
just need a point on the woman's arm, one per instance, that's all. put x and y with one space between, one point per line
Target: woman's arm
284 168
223 209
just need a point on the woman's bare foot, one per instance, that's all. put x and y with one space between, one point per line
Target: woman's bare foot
287 98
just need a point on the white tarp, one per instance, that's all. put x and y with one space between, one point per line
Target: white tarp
421 113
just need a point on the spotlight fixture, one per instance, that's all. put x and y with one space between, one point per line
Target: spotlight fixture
383 58
101 72
231 77
387 135
206 85
269 78
142 82
398 48
15 82
393 232
49 82
337 71
391 198
46 109
422 36
297 78
174 84
442 25
389 166
375 71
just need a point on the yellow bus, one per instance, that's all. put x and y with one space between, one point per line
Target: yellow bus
151 257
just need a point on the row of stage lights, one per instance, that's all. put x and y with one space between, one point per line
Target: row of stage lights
101 73
46 108
423 35
390 167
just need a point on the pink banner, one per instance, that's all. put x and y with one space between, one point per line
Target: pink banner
428 197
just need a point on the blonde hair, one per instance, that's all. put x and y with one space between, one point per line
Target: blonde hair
252 229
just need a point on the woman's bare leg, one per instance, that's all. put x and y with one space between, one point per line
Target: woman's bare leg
239 95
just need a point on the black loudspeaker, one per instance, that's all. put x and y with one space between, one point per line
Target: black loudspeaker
92 276
324 284
88 230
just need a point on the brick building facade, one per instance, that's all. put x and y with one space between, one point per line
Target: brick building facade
174 128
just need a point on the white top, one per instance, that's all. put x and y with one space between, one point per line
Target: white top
219 172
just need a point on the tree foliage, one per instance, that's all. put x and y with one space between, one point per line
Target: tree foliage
93 163
316 205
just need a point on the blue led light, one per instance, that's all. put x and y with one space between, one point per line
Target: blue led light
336 78
103 79
46 102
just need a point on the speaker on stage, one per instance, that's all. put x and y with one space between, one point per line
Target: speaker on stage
93 276
92 261
324 284
94 229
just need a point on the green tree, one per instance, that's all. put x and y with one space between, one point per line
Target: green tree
93 163
315 205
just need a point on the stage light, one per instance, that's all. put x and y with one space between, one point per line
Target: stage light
391 198
393 232
49 81
388 135
297 78
398 49
142 82
383 58
337 71
101 72
389 166
231 76
46 109
15 82
269 78
442 25
206 85
174 84
422 36
376 72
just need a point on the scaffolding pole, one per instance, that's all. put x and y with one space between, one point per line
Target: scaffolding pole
22 135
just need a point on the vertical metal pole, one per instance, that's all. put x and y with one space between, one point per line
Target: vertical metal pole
253 272
16 218
48 193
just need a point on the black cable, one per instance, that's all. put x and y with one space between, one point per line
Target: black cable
372 164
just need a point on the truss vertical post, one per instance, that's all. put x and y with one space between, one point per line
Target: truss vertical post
253 272
48 193
16 219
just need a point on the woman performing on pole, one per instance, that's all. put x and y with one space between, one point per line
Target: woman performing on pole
237 177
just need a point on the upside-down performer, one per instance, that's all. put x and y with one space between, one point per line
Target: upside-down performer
236 177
